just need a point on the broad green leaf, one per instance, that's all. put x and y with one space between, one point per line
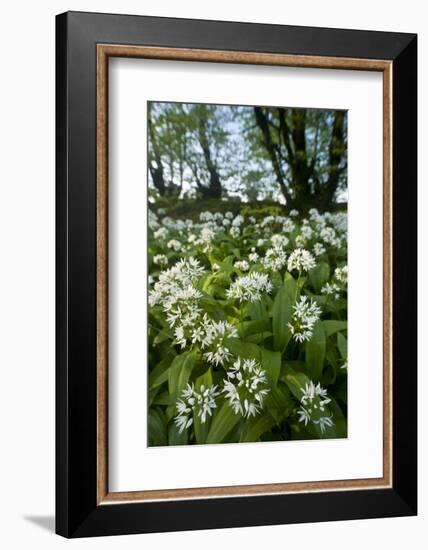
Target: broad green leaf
163 399
315 351
296 382
201 429
224 420
161 337
179 373
248 328
257 426
159 374
330 327
227 264
175 437
342 344
271 363
256 311
246 350
282 312
157 429
278 402
319 275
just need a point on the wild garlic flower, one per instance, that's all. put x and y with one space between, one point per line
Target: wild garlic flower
206 216
267 221
242 265
331 289
175 293
300 241
239 220
288 225
250 288
294 213
201 403
279 240
160 259
301 260
341 274
153 220
313 406
207 234
174 244
305 315
161 233
234 232
275 259
318 249
212 338
245 387
253 257
307 231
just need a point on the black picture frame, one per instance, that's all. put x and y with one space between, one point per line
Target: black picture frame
77 511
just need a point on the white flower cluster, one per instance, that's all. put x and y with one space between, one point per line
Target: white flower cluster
242 265
301 260
175 293
245 387
341 274
250 288
174 244
212 335
313 406
160 259
201 403
319 249
305 315
331 289
275 258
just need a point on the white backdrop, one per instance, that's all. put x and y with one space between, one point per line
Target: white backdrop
27 272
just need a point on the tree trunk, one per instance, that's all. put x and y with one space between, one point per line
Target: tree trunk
156 171
214 189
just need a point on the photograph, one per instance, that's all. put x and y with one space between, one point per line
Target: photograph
247 273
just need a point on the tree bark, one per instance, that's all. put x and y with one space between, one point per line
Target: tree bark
214 189
156 171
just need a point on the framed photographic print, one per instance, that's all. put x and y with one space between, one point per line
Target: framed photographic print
236 274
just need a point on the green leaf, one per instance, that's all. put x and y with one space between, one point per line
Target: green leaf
224 420
330 327
278 402
175 437
342 344
246 350
226 265
319 275
256 311
179 373
296 382
282 311
255 427
161 337
201 429
315 351
248 328
157 429
271 363
159 374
